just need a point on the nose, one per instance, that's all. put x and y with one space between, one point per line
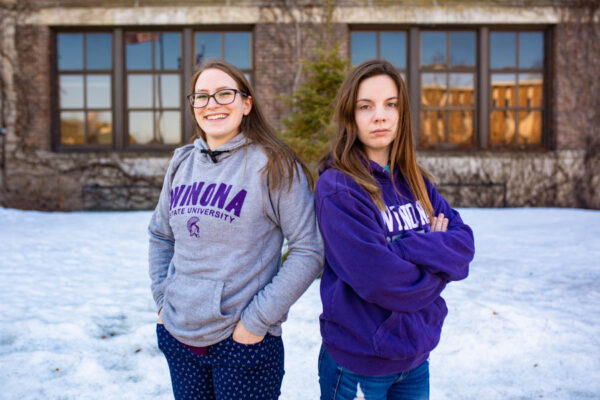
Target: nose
212 98
380 114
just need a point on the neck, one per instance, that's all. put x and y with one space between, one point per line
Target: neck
381 157
214 143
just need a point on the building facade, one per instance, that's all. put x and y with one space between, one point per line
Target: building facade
504 95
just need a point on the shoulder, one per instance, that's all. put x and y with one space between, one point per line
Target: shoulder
257 156
180 154
333 181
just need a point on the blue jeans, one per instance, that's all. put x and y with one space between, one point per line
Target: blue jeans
338 383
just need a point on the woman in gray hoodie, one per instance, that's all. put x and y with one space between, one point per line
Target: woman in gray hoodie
227 202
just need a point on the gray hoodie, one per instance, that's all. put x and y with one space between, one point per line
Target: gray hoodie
215 244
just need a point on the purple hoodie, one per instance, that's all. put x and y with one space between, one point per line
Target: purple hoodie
384 272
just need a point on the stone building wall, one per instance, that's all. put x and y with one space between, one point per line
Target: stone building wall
38 178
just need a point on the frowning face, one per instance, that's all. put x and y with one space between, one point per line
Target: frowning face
376 115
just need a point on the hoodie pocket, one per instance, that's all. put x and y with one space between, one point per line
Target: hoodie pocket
194 303
407 335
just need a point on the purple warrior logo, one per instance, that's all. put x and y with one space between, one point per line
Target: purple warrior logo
193 227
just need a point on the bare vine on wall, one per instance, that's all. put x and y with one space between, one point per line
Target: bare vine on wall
580 62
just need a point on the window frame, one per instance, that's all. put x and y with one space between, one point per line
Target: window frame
154 72
119 88
448 70
55 124
482 75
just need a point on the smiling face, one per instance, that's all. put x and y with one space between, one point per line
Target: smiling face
376 115
220 122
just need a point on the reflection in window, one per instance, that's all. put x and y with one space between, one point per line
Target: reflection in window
386 45
516 79
85 88
233 47
237 49
433 49
447 88
153 61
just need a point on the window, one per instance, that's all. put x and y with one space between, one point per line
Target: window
469 88
124 88
388 45
233 47
85 88
153 63
516 87
447 70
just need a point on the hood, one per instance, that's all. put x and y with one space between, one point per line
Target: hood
376 170
222 152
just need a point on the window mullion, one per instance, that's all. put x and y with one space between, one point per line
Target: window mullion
86 140
414 77
119 89
188 57
483 88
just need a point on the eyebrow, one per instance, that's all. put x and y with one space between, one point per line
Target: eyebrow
369 100
196 90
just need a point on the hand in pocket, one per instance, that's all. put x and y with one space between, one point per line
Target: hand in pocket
244 336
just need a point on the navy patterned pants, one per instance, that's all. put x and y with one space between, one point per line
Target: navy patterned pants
230 370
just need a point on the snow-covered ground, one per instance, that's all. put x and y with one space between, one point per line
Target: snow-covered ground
77 320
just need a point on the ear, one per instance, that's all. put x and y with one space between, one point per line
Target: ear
247 105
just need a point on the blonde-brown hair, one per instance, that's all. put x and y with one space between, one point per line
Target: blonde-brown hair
282 161
348 154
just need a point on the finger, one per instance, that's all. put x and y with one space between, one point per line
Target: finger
445 225
432 224
440 220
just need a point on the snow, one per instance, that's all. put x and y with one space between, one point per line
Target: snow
77 320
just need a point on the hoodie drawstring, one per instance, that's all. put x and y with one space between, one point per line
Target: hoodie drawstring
213 154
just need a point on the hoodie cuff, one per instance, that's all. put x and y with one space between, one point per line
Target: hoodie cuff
252 324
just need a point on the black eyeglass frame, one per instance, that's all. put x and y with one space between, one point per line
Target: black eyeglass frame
214 96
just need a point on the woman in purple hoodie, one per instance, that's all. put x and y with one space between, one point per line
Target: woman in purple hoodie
392 244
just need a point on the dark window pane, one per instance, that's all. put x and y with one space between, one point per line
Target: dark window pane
432 127
98 91
71 91
433 49
208 46
363 46
502 127
433 90
140 127
72 128
139 91
167 51
460 126
530 90
530 127
393 48
168 92
503 51
139 49
237 49
531 50
99 51
99 127
462 49
168 127
503 90
70 51
462 89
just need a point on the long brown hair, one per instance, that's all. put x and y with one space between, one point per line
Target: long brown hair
282 161
348 154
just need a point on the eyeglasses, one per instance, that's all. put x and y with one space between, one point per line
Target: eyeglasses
222 97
